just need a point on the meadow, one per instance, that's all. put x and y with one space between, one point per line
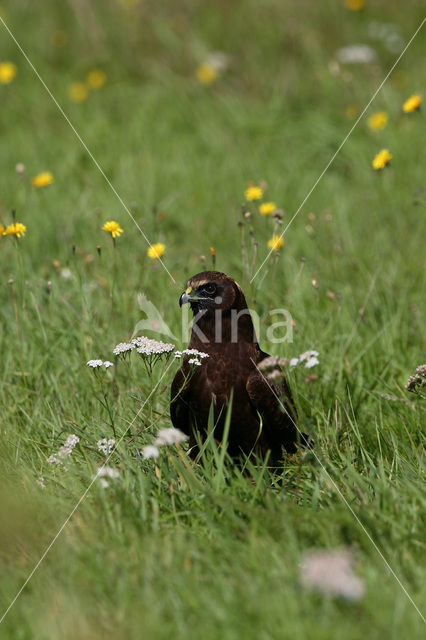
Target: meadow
170 111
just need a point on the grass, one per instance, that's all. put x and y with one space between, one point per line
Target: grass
175 549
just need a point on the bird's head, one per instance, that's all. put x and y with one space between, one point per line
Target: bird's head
212 290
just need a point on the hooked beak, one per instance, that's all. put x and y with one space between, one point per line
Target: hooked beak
186 297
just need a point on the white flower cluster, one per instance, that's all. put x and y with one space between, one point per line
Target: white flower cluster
105 473
95 364
149 347
105 446
165 437
123 347
331 572
310 358
417 380
272 362
64 451
197 356
150 451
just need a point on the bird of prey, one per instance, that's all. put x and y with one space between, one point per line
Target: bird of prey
223 329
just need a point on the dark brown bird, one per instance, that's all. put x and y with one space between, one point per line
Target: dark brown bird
223 329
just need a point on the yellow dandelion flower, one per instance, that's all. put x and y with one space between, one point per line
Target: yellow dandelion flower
96 78
43 179
253 193
78 92
156 250
206 73
267 208
59 38
378 120
412 104
113 228
399 79
275 243
381 159
16 229
355 5
352 111
8 71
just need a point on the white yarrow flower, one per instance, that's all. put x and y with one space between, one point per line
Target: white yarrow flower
311 362
294 362
150 451
332 573
107 364
123 347
194 361
105 446
149 347
94 363
65 451
169 437
106 473
196 353
356 54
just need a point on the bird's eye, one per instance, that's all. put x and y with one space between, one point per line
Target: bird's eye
210 288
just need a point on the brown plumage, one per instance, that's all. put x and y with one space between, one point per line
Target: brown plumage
234 352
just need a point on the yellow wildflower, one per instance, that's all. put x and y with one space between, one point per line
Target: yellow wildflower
2 230
378 120
412 104
206 73
96 78
156 250
78 92
42 179
399 79
275 243
16 229
354 5
352 111
381 159
113 228
253 193
267 208
213 251
8 71
59 38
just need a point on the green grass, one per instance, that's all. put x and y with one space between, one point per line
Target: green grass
191 551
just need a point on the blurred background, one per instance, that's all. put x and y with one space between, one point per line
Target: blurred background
168 112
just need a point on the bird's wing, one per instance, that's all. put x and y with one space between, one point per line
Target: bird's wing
276 409
179 407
